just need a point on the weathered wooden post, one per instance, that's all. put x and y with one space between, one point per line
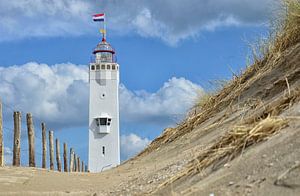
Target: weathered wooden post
17 136
30 129
1 138
86 168
65 158
82 166
78 164
58 161
71 160
75 163
44 146
51 148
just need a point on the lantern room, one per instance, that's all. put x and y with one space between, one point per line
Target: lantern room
104 53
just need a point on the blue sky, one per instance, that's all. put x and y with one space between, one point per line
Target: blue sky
168 52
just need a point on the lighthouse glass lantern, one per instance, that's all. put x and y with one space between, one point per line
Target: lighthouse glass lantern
104 147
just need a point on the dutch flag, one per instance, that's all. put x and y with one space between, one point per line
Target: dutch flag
98 17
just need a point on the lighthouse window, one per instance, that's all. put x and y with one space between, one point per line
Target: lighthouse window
103 150
108 66
102 66
98 67
93 67
113 67
103 121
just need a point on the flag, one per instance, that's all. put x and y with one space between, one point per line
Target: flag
98 17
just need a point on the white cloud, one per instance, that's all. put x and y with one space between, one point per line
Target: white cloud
131 145
58 95
168 20
166 106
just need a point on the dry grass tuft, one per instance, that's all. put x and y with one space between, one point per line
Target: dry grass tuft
288 27
203 100
258 127
266 54
232 144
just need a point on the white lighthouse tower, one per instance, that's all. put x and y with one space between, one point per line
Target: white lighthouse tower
104 145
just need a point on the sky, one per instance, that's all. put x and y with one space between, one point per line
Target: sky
169 52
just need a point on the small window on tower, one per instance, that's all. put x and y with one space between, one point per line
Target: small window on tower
108 66
102 66
103 150
103 121
113 67
98 67
93 67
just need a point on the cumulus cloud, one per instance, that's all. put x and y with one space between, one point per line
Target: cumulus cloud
169 104
168 20
131 145
58 95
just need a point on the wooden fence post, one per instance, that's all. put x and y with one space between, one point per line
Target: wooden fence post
17 136
78 164
65 158
71 160
1 138
51 148
86 168
30 129
58 161
82 166
44 146
75 163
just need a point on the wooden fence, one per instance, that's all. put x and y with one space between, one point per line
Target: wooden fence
73 165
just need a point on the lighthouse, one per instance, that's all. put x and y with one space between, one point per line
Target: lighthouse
104 145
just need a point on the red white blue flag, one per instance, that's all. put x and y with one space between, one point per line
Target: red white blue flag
98 17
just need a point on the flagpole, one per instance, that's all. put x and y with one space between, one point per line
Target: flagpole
101 17
104 34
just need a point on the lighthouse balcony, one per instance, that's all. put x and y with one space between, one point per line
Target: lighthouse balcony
103 124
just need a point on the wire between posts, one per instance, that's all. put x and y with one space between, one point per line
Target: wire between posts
7 129
35 118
